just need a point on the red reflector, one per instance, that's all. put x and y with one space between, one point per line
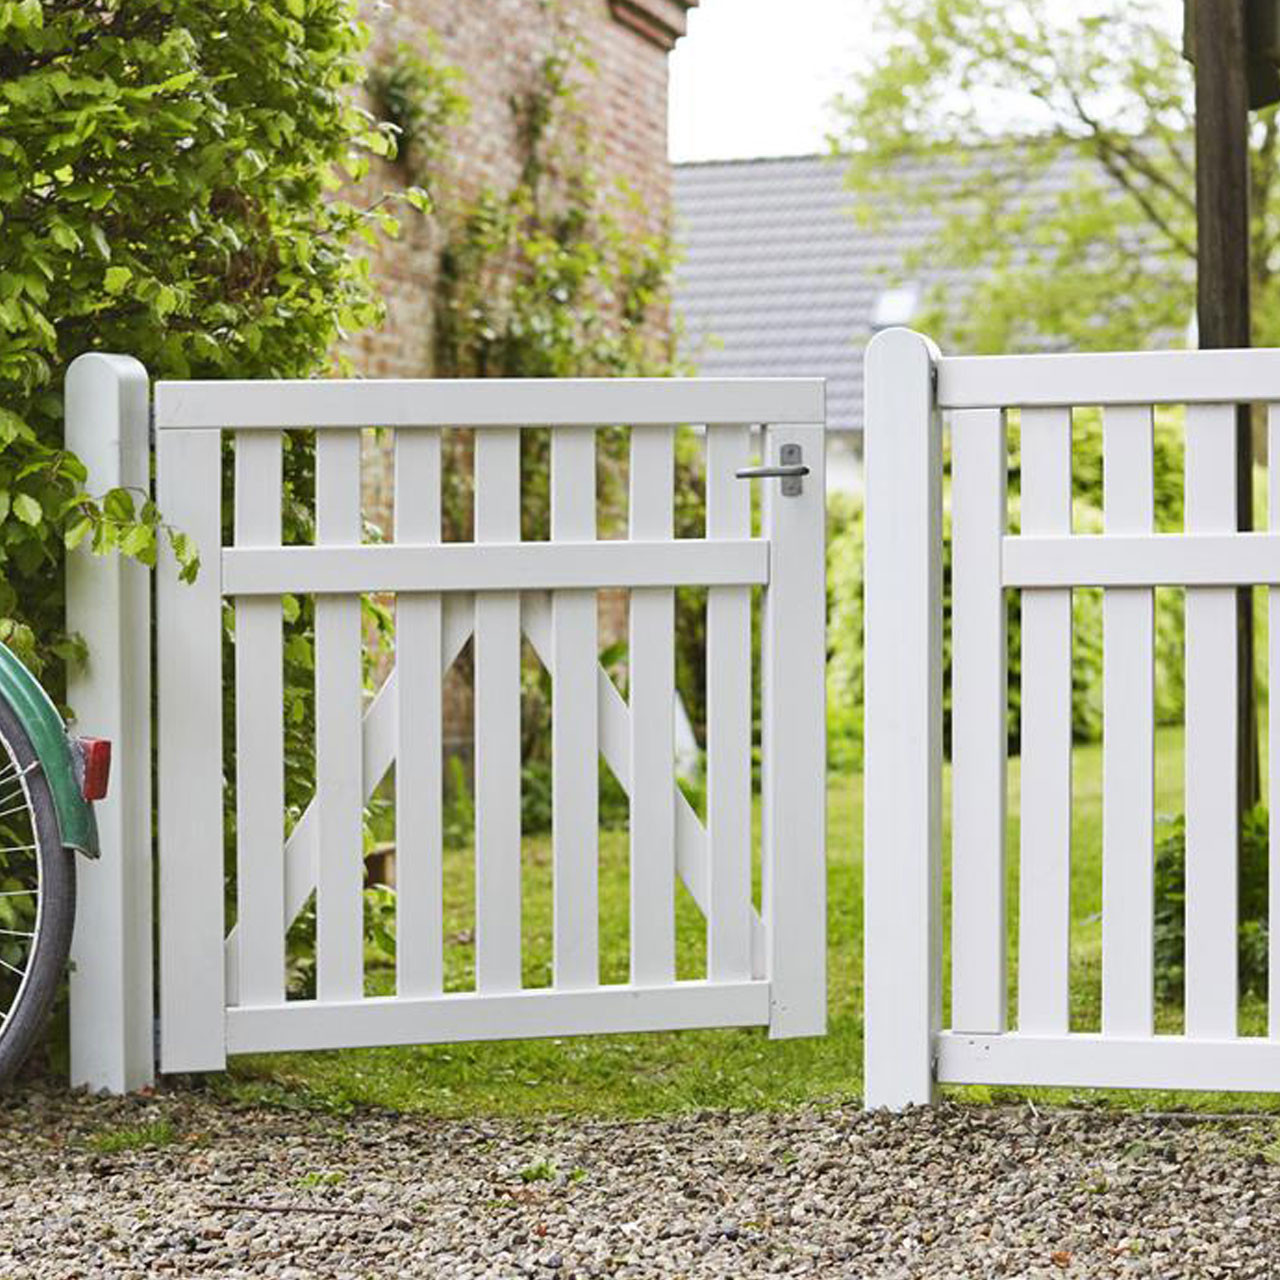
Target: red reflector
95 756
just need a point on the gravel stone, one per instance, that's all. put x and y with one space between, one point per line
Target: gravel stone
952 1191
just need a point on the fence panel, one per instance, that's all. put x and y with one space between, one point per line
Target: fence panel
496 590
908 386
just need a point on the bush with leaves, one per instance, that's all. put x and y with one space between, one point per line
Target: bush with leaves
1171 901
168 171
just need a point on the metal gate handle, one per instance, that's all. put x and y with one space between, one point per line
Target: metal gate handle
789 469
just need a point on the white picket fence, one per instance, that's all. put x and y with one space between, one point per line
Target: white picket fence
910 388
223 989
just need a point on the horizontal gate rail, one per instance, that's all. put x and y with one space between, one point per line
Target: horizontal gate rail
1089 1060
468 1015
488 402
526 566
1145 560
1115 378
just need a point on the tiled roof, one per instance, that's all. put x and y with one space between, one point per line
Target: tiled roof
778 278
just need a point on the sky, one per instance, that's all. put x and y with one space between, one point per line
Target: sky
756 77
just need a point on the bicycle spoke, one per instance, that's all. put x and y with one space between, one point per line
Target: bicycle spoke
18 933
19 893
4 964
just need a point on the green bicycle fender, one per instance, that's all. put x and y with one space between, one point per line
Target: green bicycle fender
40 718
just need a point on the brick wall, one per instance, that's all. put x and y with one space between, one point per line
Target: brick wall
497 45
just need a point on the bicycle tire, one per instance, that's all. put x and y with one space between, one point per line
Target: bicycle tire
55 905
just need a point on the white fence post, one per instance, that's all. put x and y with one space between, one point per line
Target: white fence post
109 604
903 680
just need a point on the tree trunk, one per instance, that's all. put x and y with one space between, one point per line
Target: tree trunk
1222 288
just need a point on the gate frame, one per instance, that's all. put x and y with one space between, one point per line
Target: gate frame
110 423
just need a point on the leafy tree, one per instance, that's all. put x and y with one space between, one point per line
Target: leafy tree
974 114
168 171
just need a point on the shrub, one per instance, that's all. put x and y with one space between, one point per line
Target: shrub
167 170
1170 908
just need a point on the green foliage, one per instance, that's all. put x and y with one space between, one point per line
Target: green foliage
167 179
1170 908
421 97
962 120
144 1137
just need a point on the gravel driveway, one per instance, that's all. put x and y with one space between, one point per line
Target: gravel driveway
962 1192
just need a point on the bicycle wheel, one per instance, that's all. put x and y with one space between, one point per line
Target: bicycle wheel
37 896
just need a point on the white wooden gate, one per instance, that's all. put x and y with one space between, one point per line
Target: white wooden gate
909 385
223 990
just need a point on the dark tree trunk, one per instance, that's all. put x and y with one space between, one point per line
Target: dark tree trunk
1222 287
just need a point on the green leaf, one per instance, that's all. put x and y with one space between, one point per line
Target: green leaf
27 509
98 239
116 279
117 505
77 533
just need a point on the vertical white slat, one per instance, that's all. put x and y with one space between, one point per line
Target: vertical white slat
497 723
575 751
794 713
1045 874
259 662
112 1017
419 729
979 730
902 814
728 718
1128 738
339 694
651 667
1211 736
192 992
1273 736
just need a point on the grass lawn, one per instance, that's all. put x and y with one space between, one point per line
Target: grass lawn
652 1074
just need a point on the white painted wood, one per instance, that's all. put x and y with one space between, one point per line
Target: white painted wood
109 604
531 566
259 763
419 730
794 712
192 996
1273 733
1045 871
575 753
1130 377
487 402
903 671
650 772
979 731
497 724
379 743
728 717
1211 737
1115 1062
1128 738
1150 560
616 735
339 694
468 1016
